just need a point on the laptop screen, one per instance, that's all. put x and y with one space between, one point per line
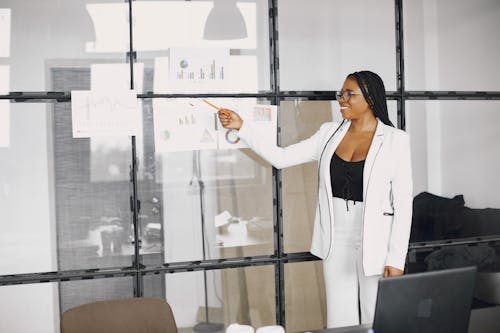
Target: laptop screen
437 301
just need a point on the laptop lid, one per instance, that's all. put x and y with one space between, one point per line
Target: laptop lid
437 301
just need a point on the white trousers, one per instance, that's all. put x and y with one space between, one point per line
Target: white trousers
349 292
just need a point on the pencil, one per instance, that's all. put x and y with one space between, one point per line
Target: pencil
216 107
212 105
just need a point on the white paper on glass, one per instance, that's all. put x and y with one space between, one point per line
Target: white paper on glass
110 23
96 113
4 32
240 66
115 77
4 79
4 123
182 125
263 119
198 69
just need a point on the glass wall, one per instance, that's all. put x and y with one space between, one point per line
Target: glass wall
192 31
443 48
42 302
235 295
333 39
192 198
219 230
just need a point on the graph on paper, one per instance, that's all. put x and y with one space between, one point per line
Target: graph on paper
198 69
104 114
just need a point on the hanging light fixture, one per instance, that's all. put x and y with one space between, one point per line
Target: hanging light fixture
225 21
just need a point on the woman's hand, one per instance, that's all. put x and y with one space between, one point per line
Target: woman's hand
230 119
392 271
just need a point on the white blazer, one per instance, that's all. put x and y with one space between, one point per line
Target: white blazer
387 189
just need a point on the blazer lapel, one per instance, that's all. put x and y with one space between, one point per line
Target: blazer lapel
377 141
330 149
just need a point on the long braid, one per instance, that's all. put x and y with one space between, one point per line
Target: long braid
373 90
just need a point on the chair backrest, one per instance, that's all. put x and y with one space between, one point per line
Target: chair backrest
134 315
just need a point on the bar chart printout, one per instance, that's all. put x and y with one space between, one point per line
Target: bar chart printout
198 70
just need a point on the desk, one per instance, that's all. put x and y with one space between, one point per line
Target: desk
484 320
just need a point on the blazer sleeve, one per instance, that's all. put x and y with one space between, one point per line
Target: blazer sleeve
402 189
301 152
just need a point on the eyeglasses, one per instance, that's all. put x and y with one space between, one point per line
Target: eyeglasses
346 95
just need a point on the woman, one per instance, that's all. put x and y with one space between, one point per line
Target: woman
364 210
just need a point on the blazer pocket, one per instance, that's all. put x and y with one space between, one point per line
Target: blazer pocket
388 214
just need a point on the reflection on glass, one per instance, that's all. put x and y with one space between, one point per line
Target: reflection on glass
238 295
305 297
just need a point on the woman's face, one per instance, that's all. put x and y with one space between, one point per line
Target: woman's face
355 106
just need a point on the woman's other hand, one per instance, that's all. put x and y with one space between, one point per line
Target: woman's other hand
230 119
392 271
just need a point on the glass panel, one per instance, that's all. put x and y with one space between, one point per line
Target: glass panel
28 231
338 38
444 49
205 46
44 303
187 183
65 199
299 121
455 160
305 305
238 295
75 34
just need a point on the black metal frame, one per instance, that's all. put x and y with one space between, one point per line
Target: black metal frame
279 258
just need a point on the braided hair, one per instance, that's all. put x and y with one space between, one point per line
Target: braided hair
373 90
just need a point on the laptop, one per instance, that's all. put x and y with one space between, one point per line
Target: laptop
430 302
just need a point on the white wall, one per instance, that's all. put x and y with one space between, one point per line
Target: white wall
29 308
322 41
452 140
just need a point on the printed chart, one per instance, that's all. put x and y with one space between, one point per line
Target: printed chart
96 113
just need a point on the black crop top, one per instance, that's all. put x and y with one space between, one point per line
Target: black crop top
347 179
